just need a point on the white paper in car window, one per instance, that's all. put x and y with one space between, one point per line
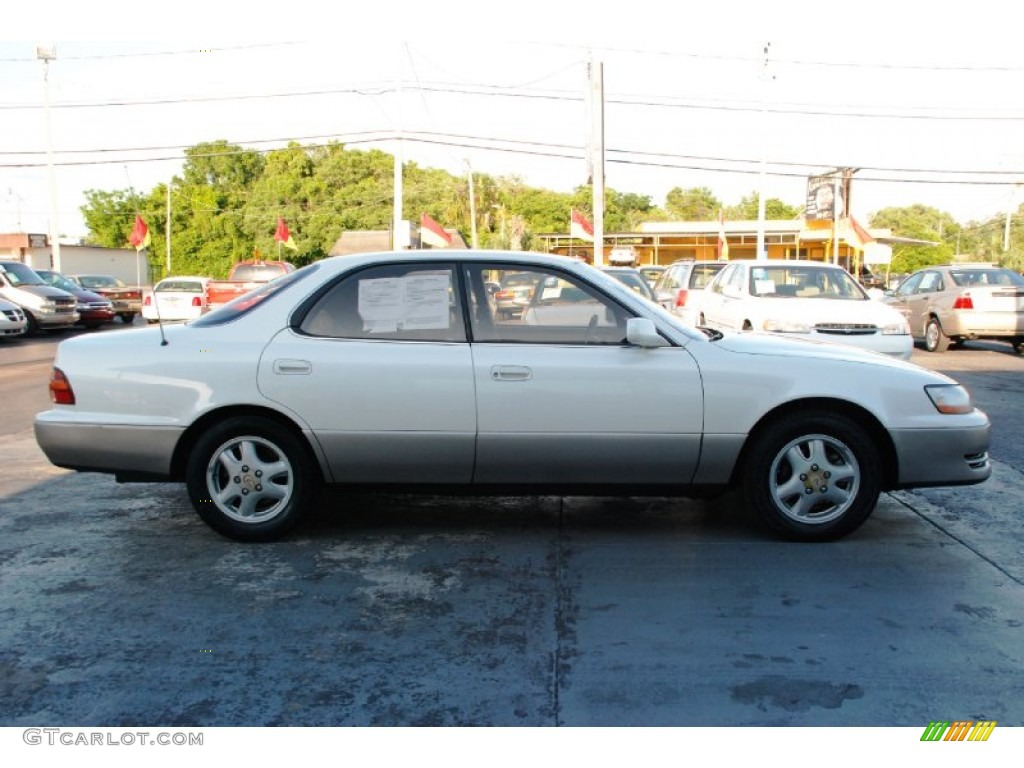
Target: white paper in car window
416 302
764 286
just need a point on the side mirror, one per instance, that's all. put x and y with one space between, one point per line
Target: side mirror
641 332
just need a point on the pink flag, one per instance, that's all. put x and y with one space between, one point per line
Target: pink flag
433 233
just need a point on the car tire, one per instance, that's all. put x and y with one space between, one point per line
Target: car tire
32 326
251 479
1018 346
934 338
127 317
814 476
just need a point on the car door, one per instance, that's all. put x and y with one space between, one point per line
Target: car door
380 369
563 399
921 302
718 305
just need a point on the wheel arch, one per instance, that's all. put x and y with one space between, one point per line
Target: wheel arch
191 435
856 413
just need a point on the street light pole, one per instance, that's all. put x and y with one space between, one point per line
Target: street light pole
46 54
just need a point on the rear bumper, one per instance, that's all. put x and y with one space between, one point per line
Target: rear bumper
108 448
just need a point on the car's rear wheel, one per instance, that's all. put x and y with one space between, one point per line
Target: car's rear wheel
813 476
1018 346
127 317
935 340
251 479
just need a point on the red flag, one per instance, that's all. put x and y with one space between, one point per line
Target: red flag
283 236
433 233
723 243
856 235
139 237
580 227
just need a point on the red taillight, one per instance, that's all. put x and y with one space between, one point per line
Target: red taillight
60 388
148 300
196 301
963 301
681 297
504 295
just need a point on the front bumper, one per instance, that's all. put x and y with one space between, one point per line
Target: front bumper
937 457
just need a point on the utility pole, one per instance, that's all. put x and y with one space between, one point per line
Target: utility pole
46 54
472 206
597 133
398 239
761 252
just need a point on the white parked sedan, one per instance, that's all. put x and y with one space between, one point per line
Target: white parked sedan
395 370
810 299
175 299
13 322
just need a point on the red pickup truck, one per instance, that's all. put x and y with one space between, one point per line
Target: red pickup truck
244 277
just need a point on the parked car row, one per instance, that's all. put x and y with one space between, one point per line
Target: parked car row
33 300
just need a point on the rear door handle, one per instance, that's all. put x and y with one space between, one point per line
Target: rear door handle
511 373
293 367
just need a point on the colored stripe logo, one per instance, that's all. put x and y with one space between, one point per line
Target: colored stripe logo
958 730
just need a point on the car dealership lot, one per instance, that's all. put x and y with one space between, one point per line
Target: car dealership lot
121 608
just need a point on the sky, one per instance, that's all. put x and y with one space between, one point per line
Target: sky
925 101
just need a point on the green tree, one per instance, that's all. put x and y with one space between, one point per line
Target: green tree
938 230
693 204
774 209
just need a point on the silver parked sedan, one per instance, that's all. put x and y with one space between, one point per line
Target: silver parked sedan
397 370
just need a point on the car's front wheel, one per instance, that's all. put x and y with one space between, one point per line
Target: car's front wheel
812 477
935 340
251 479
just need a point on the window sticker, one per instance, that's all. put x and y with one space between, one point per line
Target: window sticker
764 286
415 302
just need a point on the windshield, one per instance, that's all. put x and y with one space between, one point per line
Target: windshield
20 274
803 282
101 281
57 280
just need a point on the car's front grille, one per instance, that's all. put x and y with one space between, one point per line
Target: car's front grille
96 305
847 329
14 315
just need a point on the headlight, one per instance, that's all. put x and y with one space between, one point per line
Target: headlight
785 326
896 329
949 398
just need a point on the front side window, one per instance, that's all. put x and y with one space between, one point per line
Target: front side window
931 282
396 302
542 306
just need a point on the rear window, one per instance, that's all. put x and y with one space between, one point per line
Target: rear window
703 274
983 277
244 304
257 273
